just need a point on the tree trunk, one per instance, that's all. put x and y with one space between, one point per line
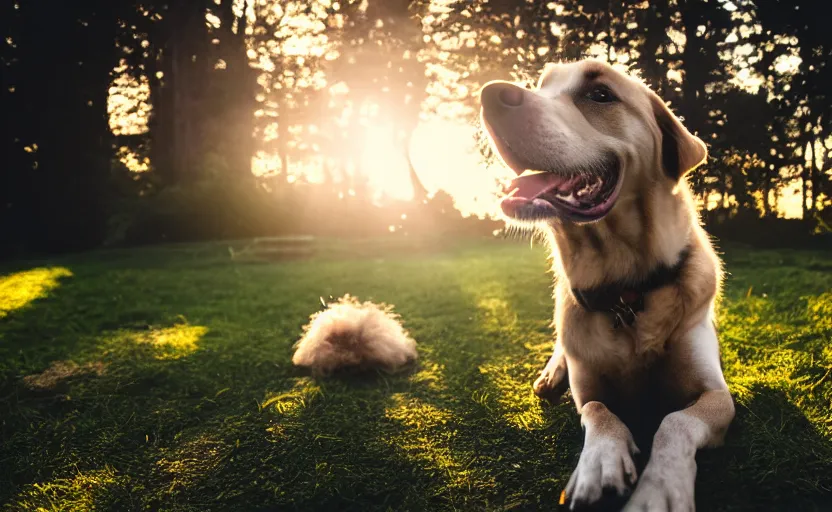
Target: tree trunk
810 155
693 83
182 40
766 193
283 137
654 23
806 172
420 193
804 185
235 88
610 39
64 192
180 136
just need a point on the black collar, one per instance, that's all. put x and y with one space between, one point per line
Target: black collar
625 299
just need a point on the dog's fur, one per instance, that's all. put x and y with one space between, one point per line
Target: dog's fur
353 334
668 361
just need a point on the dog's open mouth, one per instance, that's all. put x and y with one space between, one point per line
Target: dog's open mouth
582 196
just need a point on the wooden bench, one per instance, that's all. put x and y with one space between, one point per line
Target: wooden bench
276 248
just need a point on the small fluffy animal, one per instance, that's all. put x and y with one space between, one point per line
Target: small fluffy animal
349 333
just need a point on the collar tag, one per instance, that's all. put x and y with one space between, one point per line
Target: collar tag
630 304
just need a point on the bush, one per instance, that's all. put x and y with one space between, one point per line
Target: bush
769 232
234 208
209 209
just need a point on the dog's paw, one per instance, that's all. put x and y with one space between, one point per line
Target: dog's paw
667 485
605 472
552 383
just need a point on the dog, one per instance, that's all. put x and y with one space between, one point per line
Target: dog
636 277
347 333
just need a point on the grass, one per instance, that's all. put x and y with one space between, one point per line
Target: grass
160 379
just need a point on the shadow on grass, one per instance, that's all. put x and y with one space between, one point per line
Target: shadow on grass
773 459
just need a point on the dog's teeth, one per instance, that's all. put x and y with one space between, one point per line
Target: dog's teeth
570 199
587 189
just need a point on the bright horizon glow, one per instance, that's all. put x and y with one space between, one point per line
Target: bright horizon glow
384 165
444 157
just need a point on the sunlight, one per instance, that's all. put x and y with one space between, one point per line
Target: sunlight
508 377
291 44
498 313
415 414
495 312
425 438
79 491
819 311
20 289
748 324
187 462
173 342
508 383
430 375
790 199
384 165
289 403
131 160
445 158
128 103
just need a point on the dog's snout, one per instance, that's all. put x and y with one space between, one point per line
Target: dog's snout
503 95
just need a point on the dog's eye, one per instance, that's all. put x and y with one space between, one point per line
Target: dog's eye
601 94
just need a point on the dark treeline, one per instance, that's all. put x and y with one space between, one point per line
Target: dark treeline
293 83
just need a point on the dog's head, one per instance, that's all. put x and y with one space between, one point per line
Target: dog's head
595 135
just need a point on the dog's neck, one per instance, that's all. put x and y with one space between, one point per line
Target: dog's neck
643 231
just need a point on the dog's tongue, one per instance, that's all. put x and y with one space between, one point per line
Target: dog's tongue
525 189
528 186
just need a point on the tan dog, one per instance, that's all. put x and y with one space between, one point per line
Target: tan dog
636 276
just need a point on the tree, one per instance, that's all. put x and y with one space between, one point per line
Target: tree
61 69
795 49
379 65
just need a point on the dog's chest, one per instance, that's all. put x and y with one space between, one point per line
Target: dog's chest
619 348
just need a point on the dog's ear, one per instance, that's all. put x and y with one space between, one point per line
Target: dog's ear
682 151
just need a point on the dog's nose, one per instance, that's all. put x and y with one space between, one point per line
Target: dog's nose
502 94
512 96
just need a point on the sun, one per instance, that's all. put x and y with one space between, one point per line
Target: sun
384 164
445 157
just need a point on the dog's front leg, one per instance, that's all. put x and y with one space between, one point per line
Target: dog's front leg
554 378
667 483
606 462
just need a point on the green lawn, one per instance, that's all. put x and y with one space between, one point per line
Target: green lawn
160 379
